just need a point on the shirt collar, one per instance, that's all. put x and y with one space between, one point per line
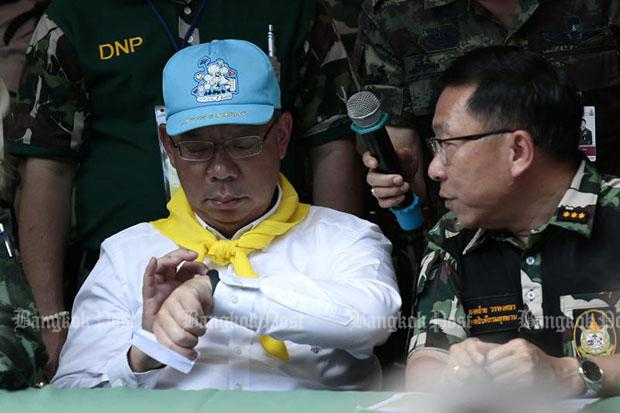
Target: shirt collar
249 226
580 197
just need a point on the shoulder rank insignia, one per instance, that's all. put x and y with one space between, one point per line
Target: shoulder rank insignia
571 214
594 334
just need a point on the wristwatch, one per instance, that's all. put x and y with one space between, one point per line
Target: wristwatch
592 375
214 277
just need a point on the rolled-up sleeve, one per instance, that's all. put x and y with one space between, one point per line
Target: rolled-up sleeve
50 114
381 69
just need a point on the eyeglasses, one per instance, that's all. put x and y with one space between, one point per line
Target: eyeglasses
436 145
238 148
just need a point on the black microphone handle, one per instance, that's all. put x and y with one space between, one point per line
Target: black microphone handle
381 148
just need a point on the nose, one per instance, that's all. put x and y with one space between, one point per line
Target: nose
222 166
436 169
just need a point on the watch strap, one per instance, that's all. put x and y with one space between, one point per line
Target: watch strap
214 277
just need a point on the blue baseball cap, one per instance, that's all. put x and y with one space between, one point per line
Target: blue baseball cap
219 83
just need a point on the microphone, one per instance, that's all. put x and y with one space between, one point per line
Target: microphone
368 120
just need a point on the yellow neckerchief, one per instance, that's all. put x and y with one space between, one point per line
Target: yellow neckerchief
183 228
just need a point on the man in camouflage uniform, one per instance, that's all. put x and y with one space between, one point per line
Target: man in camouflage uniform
22 353
88 95
404 45
520 279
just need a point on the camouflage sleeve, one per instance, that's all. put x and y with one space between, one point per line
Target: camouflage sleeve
326 83
346 15
50 113
22 354
378 66
440 319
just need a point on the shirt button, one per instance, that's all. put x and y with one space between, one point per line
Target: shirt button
234 299
530 260
531 295
237 351
238 386
187 10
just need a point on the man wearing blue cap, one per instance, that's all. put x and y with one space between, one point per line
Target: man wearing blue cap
253 290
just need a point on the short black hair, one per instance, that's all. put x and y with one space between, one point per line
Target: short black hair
519 89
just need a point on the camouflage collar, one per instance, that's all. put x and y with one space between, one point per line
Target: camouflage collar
429 4
524 11
575 212
478 239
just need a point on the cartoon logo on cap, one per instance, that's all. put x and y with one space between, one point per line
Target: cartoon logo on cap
216 82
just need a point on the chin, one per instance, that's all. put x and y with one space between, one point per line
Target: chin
467 222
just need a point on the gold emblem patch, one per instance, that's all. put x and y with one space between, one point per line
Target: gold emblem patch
594 334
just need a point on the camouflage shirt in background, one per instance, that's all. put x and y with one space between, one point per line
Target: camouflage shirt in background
346 15
488 284
326 83
22 354
403 46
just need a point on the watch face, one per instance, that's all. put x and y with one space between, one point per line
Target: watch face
591 371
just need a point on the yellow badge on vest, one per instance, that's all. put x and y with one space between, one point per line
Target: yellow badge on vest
594 334
115 49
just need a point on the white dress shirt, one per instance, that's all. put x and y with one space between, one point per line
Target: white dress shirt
327 288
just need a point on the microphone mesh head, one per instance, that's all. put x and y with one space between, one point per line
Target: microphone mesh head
364 109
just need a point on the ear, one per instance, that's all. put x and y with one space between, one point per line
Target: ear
522 152
167 142
282 131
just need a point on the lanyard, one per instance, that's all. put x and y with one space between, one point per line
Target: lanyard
190 30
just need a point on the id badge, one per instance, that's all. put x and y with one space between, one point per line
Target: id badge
171 179
587 136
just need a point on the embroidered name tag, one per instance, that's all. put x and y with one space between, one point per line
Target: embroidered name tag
492 314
